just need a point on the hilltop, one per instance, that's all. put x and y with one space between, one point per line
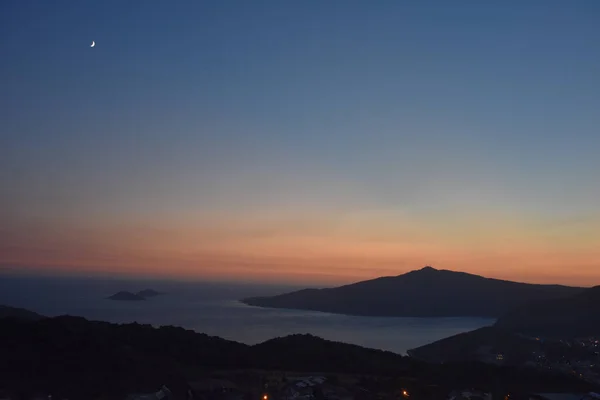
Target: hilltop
427 292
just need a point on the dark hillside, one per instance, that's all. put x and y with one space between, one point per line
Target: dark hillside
575 316
424 293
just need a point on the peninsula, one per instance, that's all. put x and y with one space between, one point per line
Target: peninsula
427 292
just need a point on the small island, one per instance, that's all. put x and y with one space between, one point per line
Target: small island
130 296
126 296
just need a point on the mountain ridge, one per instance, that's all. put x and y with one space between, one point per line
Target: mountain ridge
427 292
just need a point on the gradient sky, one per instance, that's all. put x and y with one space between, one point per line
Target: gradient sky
307 141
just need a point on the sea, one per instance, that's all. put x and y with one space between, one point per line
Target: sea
215 309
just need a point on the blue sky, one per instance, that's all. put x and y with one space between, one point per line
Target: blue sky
299 108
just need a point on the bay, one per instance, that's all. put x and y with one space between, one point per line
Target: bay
214 309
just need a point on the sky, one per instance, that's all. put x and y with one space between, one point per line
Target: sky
313 142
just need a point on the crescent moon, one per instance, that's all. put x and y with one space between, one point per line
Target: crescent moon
93 44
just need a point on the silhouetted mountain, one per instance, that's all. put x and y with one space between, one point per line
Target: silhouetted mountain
423 293
148 293
126 296
575 316
19 313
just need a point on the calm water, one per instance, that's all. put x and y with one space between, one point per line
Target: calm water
214 309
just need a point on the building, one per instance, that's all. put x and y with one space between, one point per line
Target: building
307 380
302 387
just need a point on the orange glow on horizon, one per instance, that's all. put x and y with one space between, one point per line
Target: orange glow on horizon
324 250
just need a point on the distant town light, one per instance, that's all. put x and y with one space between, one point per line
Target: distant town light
405 393
265 397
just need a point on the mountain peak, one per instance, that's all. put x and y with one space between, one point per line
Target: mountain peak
425 292
425 270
